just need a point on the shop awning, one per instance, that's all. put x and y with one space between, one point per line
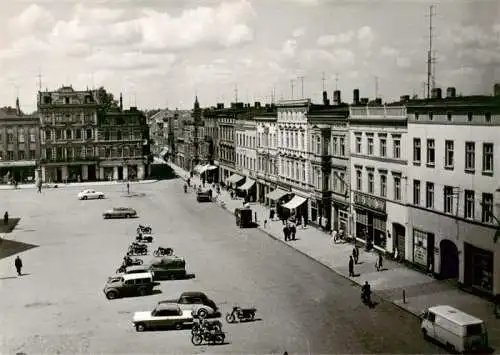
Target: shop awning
197 168
211 167
203 169
247 185
276 194
295 202
233 179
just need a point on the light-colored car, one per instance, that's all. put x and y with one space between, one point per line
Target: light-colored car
196 302
120 212
90 194
163 315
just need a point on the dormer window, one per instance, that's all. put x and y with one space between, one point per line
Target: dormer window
487 116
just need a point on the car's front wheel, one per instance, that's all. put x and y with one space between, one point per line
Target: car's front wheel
178 326
140 327
101 197
111 295
84 197
143 291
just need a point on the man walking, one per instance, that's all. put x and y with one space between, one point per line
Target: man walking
380 262
6 218
18 264
128 188
293 230
286 232
351 267
355 254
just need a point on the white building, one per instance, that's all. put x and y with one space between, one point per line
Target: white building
378 175
453 176
246 154
293 153
267 154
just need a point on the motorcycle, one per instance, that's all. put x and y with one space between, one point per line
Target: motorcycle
243 314
137 249
200 325
366 297
145 238
128 262
144 229
213 337
163 251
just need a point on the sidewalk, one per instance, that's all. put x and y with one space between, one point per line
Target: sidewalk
74 184
421 291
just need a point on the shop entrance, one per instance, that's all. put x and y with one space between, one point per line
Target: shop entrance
449 259
399 234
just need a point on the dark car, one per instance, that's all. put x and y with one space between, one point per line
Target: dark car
120 212
129 285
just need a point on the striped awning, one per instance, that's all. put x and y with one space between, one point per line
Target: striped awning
247 185
233 179
276 194
295 202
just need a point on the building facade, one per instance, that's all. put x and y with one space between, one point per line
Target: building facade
379 175
246 153
267 153
19 146
454 182
68 124
293 151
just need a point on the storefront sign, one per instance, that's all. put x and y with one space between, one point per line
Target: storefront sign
368 201
420 255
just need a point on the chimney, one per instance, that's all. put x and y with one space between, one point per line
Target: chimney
336 97
378 101
220 105
451 92
364 101
257 104
18 107
404 98
325 97
436 93
496 89
355 97
121 102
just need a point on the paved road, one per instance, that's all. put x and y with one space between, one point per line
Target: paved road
59 306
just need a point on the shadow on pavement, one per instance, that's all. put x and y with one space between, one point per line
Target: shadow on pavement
10 225
8 277
11 247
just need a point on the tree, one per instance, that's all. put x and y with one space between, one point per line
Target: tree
106 99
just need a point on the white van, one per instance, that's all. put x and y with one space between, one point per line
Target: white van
457 330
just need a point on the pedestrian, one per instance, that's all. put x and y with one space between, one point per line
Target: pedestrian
6 218
380 263
355 254
351 267
265 223
271 214
293 230
18 264
189 182
210 193
39 186
128 188
285 233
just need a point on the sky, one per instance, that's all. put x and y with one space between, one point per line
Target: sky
161 53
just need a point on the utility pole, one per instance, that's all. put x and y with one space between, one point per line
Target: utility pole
430 58
291 85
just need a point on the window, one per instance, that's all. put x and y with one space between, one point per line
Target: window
383 147
59 134
302 141
359 180
487 205
342 147
32 155
20 136
89 134
119 135
383 185
69 134
448 199
397 148
10 155
32 135
448 158
488 157
470 156
431 152
397 188
10 136
303 171
429 195
318 145
22 155
370 145
417 150
358 144
469 204
416 192
78 134
370 183
334 145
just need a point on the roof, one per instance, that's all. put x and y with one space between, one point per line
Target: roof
167 307
193 294
137 276
455 315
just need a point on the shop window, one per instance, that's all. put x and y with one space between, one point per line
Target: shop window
420 247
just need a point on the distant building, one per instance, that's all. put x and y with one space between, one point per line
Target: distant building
19 145
267 153
246 154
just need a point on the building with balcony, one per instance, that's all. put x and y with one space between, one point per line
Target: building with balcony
454 187
293 151
19 145
246 154
267 154
68 130
379 179
329 163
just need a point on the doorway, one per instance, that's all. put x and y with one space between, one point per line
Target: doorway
399 235
91 175
120 173
449 260
58 174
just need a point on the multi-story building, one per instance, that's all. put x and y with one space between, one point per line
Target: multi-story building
267 153
454 183
329 162
68 121
227 154
379 179
19 145
293 155
246 152
211 146
122 144
160 124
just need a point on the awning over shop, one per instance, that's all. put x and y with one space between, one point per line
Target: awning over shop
197 168
295 202
211 167
247 185
276 194
233 179
203 169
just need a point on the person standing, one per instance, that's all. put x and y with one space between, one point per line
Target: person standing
39 186
18 264
293 230
355 254
380 262
351 267
6 218
128 188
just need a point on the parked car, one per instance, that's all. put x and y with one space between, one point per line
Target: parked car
168 267
134 269
120 212
129 285
90 194
163 315
196 302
